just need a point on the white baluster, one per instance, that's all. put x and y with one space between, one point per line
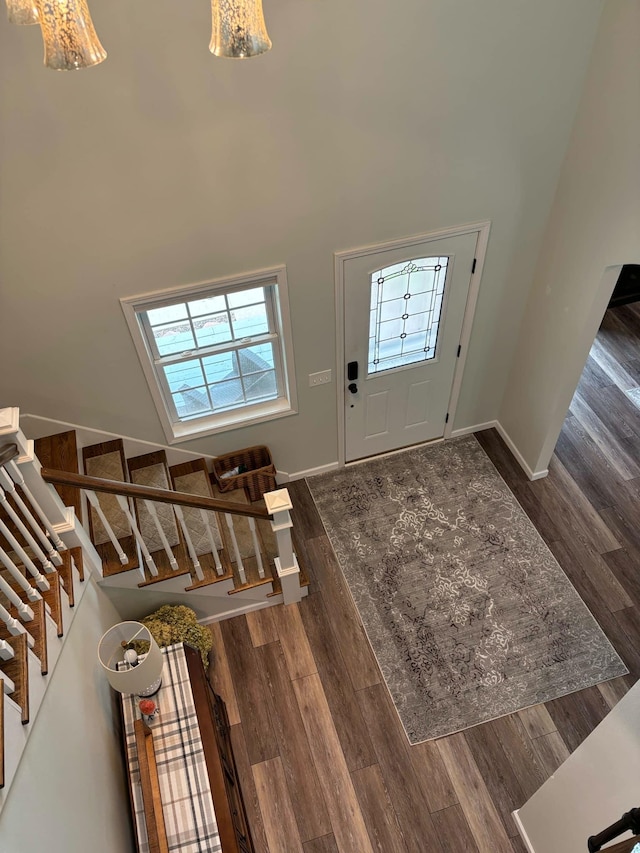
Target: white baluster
95 503
6 652
41 582
278 504
18 479
37 550
206 518
7 685
234 542
197 568
13 626
124 506
24 611
165 542
19 578
48 548
256 544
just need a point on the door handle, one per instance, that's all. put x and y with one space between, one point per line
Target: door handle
353 388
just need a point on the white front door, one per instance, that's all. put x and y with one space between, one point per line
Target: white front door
403 315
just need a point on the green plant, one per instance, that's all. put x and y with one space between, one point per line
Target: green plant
178 624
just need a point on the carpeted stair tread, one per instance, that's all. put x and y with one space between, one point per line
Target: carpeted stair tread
107 466
151 470
193 478
106 460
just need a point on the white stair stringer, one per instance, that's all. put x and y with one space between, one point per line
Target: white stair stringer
15 740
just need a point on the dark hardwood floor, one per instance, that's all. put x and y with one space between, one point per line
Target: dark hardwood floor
322 756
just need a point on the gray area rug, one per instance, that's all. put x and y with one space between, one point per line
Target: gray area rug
468 612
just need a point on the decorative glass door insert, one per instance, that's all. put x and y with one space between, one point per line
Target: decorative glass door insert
405 314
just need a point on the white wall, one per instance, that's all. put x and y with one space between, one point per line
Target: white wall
594 225
366 122
69 794
594 787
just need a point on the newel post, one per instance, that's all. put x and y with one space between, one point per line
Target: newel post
278 505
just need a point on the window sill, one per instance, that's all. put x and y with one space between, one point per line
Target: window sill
190 430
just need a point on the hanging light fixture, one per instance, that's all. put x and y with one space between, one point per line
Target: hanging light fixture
238 28
70 40
23 12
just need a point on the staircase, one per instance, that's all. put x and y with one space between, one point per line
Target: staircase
136 524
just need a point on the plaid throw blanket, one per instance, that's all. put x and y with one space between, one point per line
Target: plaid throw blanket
184 784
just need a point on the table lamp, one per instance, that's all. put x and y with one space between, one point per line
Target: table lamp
143 676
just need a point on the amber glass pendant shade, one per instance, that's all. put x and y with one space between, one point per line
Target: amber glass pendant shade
23 12
238 28
70 40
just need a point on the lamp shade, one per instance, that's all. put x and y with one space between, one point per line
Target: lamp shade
142 679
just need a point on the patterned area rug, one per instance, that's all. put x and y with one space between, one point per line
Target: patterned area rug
468 612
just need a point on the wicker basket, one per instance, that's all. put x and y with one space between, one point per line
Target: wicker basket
258 476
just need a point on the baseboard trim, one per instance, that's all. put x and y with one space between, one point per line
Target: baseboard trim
522 831
283 477
504 435
239 611
532 475
456 433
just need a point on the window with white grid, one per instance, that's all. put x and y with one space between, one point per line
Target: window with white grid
219 354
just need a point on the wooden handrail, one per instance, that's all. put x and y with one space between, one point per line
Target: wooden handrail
167 496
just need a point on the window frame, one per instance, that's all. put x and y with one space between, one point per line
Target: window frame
277 308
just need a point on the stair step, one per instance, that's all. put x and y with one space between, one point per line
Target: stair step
60 452
53 599
78 562
65 572
193 478
37 627
106 460
245 544
253 578
38 630
208 567
151 470
17 669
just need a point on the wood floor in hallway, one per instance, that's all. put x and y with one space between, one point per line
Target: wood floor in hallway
323 760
